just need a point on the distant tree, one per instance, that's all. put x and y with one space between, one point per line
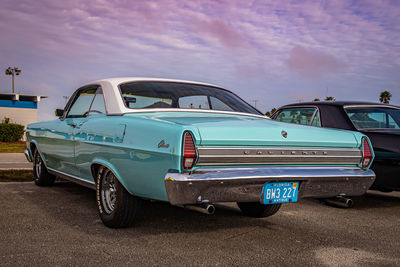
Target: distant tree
385 97
316 99
269 113
330 98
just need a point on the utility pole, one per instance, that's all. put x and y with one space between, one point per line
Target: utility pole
255 102
12 72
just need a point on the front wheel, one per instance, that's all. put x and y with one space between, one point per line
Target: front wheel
40 173
255 209
117 207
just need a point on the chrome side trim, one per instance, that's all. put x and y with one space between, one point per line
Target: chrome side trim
72 178
371 106
277 155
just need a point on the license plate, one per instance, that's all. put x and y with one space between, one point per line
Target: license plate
282 192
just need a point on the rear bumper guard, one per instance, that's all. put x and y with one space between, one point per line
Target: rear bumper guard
245 184
28 155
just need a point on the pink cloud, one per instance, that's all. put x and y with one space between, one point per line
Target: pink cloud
308 62
226 35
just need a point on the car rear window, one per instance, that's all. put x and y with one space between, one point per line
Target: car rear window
374 117
142 95
304 116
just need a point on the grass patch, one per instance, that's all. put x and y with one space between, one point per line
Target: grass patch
17 147
16 175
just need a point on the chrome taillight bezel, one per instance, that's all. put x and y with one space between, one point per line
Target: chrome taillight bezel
366 149
189 154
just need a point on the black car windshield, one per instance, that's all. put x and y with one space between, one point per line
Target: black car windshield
374 117
144 95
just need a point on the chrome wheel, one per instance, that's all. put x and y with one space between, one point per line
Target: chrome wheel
38 165
108 192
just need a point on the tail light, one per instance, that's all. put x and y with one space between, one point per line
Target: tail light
367 153
189 151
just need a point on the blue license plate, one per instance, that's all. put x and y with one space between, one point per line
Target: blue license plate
282 192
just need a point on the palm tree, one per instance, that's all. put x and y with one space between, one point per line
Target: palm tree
330 98
385 97
269 113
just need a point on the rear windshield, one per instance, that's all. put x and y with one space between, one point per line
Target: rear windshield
139 95
374 117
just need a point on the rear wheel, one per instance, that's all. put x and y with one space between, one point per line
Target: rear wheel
255 209
40 173
117 207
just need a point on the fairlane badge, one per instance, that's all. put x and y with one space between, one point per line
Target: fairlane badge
163 144
284 134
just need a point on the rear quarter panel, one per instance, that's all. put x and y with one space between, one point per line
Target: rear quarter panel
134 155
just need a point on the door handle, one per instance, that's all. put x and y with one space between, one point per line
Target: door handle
73 125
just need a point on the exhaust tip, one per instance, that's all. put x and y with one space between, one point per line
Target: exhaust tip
340 201
210 209
203 208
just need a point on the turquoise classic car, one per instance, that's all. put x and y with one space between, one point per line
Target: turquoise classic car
190 144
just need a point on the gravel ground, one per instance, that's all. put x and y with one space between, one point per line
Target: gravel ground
59 226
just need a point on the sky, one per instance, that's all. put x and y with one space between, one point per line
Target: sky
270 53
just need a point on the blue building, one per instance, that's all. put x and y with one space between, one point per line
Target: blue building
21 109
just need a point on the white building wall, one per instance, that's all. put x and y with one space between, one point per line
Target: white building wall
22 116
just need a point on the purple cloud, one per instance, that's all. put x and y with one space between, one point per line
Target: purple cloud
220 30
308 62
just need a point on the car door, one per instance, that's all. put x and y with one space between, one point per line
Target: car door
60 150
89 136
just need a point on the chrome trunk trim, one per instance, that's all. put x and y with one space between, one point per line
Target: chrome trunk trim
209 156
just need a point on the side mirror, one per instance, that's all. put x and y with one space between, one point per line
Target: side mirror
59 112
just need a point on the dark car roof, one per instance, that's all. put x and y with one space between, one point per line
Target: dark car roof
338 103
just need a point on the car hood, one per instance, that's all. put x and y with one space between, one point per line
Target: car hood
241 130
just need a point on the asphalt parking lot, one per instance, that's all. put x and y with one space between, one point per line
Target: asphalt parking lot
59 226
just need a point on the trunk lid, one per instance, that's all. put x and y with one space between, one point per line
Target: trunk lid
238 130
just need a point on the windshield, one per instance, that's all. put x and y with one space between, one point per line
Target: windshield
138 95
374 117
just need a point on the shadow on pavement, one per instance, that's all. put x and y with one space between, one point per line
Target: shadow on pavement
376 199
75 206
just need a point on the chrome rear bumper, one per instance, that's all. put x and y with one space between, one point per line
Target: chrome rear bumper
245 184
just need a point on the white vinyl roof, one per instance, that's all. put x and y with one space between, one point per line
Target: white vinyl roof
115 104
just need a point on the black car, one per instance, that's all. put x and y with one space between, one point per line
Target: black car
380 122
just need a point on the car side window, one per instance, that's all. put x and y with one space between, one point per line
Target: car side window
98 105
296 115
374 118
82 102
